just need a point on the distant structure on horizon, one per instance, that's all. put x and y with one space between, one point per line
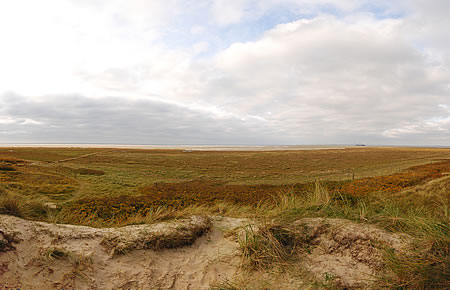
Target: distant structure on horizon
360 145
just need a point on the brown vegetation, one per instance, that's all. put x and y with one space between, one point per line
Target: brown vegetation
399 190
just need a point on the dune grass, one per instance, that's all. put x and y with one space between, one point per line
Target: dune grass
411 213
275 188
425 266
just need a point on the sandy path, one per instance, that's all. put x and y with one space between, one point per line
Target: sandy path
84 156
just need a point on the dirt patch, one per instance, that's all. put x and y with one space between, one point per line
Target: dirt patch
344 253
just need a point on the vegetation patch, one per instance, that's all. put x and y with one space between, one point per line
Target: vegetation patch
57 254
9 160
87 171
427 265
11 206
399 181
7 240
267 245
176 196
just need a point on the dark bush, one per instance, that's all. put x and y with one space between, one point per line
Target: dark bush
87 171
10 206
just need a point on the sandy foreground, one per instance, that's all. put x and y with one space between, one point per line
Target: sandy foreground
191 253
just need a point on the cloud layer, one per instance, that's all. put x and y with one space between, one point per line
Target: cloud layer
225 72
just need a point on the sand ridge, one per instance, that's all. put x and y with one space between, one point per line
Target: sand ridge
196 252
122 258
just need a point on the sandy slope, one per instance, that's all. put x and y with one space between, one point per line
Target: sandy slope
94 260
192 253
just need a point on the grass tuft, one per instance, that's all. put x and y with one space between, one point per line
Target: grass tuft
268 245
7 168
426 267
320 196
11 206
57 254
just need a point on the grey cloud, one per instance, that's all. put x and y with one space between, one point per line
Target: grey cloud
78 119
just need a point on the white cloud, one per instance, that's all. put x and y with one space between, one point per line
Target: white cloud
46 44
198 29
201 47
225 12
7 121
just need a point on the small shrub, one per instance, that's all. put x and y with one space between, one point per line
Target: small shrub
36 210
426 267
87 171
268 245
57 254
7 168
11 206
9 160
7 240
320 195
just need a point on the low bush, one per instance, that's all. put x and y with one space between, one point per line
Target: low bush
10 206
35 210
268 245
87 171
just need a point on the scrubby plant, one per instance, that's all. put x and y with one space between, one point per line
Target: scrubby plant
87 171
262 247
57 254
7 168
36 210
11 206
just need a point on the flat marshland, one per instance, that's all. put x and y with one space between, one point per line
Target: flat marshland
400 190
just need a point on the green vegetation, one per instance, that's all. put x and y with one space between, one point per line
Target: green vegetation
402 190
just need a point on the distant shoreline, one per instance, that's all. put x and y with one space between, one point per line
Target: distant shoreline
212 147
188 147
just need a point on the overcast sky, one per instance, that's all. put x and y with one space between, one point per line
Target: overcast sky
225 71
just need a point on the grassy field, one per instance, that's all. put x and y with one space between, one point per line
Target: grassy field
117 183
389 187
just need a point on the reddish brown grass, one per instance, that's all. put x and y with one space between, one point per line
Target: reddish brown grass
178 195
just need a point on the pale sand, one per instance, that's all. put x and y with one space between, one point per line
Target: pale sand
129 258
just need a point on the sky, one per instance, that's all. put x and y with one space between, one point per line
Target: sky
256 72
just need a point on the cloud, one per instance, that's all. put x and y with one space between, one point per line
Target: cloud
198 29
225 12
357 76
78 119
347 71
201 47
